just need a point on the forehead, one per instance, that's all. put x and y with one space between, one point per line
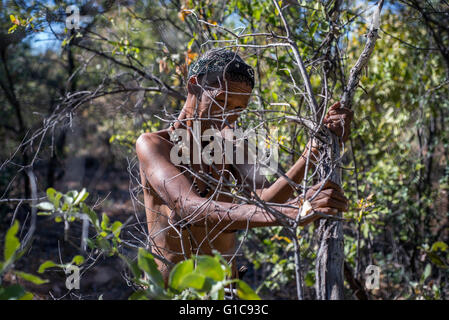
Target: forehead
231 90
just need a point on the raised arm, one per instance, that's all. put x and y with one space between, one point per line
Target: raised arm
281 190
338 120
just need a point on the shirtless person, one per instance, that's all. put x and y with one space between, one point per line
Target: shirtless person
184 215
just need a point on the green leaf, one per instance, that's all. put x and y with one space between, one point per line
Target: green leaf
104 245
210 267
47 206
81 196
179 272
92 215
51 193
104 221
224 264
217 290
189 45
116 228
193 280
12 243
132 265
313 29
257 13
78 260
146 262
47 264
138 295
155 292
436 260
245 292
30 277
310 279
427 272
44 213
57 199
12 29
27 296
14 292
439 245
68 200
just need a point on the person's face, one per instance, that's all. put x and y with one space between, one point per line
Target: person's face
220 107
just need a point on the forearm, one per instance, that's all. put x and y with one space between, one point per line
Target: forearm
281 190
226 216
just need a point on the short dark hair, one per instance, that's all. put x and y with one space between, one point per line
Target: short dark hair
218 63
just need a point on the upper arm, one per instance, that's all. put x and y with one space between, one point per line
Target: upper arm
162 175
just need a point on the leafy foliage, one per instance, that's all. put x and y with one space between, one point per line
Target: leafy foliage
200 277
125 68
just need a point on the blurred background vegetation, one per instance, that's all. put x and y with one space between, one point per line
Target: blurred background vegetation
73 102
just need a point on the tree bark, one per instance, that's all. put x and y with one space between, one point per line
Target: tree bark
330 256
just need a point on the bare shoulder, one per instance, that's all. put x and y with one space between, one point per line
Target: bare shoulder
152 144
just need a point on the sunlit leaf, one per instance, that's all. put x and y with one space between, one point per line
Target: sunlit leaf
81 197
12 243
47 206
47 264
245 292
138 295
195 281
179 272
78 260
209 267
30 277
145 261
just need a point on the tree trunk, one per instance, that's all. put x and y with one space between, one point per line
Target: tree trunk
330 257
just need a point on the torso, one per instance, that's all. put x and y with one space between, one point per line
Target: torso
176 244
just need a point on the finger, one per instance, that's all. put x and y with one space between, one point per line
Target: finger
337 117
336 128
335 194
334 125
318 186
331 211
313 189
341 111
336 105
338 195
332 185
331 194
339 190
331 203
328 185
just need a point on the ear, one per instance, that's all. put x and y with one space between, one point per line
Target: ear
193 87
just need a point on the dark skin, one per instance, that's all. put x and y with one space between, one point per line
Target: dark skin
210 224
